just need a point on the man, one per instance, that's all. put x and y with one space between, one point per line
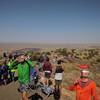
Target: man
5 73
84 87
23 67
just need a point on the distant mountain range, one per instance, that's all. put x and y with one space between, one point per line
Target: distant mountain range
13 46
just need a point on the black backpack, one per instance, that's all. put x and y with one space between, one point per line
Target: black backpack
57 93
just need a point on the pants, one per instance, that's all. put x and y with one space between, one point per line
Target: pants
13 75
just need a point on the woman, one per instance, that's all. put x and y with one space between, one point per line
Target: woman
58 73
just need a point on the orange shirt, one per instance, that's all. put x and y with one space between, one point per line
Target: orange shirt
88 92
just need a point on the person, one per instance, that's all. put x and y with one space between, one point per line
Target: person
41 61
57 93
47 68
37 69
1 73
5 56
84 87
34 76
11 71
5 73
48 89
23 73
58 73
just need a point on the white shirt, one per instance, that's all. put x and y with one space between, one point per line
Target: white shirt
58 76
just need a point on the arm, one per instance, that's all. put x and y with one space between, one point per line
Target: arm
94 92
51 67
44 67
72 88
13 64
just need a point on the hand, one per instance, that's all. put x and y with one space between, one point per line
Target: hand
76 82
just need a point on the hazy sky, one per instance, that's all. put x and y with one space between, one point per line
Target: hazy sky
50 21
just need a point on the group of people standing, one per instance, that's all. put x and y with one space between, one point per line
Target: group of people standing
6 75
84 87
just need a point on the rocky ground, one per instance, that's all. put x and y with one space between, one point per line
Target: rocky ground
71 72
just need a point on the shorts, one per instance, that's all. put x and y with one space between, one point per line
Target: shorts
23 88
47 75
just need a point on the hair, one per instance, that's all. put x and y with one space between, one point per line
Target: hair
37 63
59 62
47 58
49 83
5 63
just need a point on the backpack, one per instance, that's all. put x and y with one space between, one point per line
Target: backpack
5 70
59 69
32 72
47 90
47 66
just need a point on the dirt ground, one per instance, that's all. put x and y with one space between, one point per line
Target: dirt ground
10 92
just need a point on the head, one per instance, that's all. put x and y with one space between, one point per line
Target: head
84 75
21 58
49 83
36 94
37 65
4 63
59 62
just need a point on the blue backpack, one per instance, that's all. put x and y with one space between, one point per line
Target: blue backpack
32 72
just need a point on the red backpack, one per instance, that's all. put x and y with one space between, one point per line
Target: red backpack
47 66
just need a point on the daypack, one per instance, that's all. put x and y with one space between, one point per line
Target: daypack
59 69
5 70
32 73
47 90
47 66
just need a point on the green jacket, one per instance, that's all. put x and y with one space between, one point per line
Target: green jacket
23 71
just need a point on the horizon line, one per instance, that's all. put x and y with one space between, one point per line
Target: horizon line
48 43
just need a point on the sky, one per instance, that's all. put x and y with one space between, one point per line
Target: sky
50 21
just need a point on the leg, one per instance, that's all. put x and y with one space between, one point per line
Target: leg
10 76
23 90
13 77
5 79
24 95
